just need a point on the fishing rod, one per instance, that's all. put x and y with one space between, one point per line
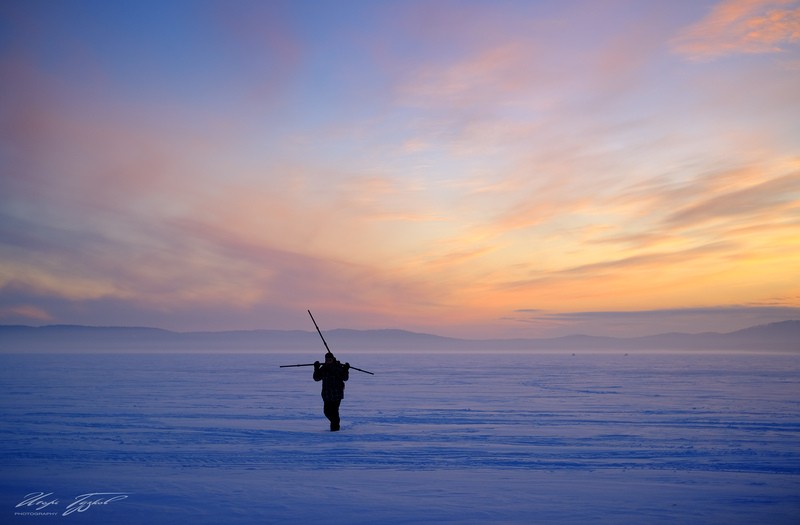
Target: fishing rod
326 348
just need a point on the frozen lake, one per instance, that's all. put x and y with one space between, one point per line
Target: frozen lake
213 439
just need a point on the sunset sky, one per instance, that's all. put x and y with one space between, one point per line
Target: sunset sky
464 168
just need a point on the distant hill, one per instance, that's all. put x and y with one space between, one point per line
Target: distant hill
783 337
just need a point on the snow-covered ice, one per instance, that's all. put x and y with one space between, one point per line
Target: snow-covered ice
478 438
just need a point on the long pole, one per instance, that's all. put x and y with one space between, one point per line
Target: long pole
326 345
312 364
319 332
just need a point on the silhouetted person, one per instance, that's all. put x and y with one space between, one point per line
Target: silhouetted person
333 374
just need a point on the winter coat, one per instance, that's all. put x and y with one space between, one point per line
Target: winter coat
333 377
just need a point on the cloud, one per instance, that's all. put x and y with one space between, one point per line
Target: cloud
201 272
720 311
715 204
507 70
772 197
629 268
741 26
722 318
23 313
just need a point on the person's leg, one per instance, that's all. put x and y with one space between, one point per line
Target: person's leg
332 413
335 421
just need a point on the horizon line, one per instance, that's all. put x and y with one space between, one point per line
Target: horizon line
155 328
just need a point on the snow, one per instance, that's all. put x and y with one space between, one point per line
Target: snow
477 438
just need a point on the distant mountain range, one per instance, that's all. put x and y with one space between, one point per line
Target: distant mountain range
783 337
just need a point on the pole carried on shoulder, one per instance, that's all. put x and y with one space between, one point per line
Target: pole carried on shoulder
326 348
312 364
365 371
319 332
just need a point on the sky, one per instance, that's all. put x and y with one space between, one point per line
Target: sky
479 169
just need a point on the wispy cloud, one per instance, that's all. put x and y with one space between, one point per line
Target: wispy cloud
723 318
502 73
626 268
774 197
742 26
24 313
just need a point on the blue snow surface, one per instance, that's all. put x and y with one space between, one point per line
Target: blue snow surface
462 439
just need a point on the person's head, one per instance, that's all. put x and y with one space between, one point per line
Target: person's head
329 358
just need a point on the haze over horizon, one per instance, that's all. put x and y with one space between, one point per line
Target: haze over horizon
469 169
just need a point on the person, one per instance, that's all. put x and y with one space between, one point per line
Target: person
333 374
